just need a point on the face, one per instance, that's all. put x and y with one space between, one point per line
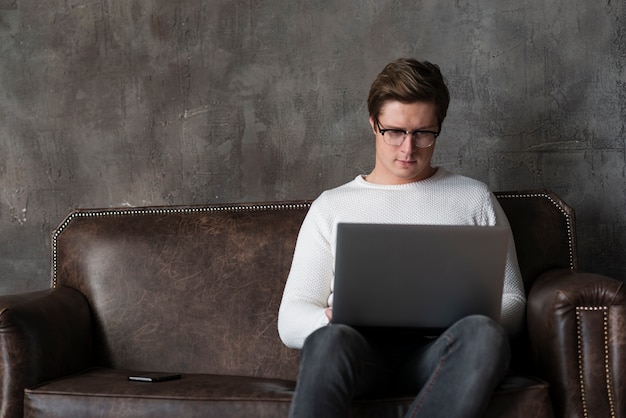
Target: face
405 163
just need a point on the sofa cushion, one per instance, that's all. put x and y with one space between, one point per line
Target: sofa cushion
520 396
108 393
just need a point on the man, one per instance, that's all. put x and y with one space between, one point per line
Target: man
452 375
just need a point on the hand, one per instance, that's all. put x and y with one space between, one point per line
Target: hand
329 313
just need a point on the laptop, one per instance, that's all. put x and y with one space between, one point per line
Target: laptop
417 276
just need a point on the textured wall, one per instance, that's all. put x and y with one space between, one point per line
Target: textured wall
114 103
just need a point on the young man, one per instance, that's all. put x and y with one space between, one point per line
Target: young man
452 375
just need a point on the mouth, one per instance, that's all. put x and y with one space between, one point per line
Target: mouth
406 162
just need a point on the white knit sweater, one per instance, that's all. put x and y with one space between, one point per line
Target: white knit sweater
444 199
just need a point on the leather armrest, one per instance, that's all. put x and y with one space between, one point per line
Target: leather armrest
578 341
43 335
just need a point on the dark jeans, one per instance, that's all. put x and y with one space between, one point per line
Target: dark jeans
452 375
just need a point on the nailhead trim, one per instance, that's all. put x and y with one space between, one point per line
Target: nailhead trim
607 360
256 207
161 211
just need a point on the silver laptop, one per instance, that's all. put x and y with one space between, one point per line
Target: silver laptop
417 276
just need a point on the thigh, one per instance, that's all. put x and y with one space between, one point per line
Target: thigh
342 353
461 348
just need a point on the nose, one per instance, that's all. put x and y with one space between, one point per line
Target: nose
407 145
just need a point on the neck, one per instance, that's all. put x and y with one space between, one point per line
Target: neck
373 178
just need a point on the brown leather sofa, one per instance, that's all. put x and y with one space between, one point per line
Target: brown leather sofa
196 290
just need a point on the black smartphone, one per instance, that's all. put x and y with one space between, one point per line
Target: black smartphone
154 377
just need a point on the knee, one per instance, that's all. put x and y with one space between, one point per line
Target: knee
333 342
484 326
487 334
331 337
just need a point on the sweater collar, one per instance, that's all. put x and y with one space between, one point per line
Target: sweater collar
360 180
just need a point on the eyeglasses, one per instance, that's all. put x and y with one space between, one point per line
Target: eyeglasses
395 137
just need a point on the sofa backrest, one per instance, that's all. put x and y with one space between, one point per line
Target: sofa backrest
197 288
544 230
187 289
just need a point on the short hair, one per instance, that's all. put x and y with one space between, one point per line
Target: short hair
408 80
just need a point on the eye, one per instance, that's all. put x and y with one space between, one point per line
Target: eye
396 132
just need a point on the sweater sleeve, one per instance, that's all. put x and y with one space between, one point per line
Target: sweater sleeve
308 285
513 294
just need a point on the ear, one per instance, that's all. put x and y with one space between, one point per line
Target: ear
373 124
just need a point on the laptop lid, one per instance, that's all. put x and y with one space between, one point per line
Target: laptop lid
417 276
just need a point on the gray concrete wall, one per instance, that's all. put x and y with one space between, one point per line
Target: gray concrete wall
154 102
